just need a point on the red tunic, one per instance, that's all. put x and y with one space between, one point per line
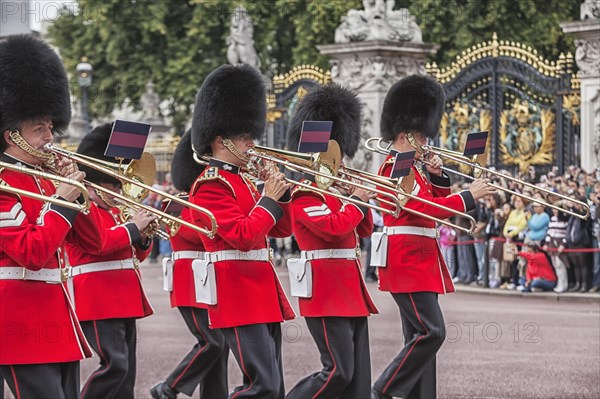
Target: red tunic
248 292
186 239
414 262
324 222
110 294
37 322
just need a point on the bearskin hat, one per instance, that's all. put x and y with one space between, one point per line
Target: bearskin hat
231 101
413 104
33 84
331 102
93 145
184 169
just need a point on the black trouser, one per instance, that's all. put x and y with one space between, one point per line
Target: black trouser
257 350
39 381
412 373
343 343
206 363
114 340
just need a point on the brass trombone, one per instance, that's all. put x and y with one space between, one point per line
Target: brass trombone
324 166
474 163
327 168
132 177
81 207
402 190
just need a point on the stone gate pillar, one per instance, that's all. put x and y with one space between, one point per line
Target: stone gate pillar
587 56
373 49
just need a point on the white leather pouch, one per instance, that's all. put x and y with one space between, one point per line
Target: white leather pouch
167 267
379 249
205 281
300 273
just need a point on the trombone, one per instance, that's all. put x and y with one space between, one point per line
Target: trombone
76 206
327 166
474 163
402 188
324 166
133 177
478 170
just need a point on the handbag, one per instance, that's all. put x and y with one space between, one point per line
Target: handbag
167 267
300 273
205 282
379 249
509 251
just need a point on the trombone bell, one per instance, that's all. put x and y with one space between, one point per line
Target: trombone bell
325 162
142 170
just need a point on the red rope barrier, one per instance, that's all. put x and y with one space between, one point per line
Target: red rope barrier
520 244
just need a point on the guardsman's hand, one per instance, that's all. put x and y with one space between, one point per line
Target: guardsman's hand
276 186
364 195
68 192
142 219
480 188
435 165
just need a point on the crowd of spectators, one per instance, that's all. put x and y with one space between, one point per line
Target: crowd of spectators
160 248
531 247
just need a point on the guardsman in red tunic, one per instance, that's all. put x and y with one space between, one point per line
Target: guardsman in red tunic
206 363
416 273
106 283
42 341
328 231
250 303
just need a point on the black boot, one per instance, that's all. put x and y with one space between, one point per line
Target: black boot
375 394
163 391
584 287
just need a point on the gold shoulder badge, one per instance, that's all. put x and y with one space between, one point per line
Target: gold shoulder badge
212 173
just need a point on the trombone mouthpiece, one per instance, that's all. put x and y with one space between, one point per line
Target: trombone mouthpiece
48 147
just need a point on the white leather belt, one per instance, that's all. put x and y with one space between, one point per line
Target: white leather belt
187 255
261 255
104 266
333 253
412 230
22 273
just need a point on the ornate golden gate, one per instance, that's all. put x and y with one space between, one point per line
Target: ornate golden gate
530 105
287 90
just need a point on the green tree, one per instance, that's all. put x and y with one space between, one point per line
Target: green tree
458 24
176 44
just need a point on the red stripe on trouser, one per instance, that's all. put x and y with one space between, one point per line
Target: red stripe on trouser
332 358
195 356
400 365
411 348
237 339
97 372
12 370
417 313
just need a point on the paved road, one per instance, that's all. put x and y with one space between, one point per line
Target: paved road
496 346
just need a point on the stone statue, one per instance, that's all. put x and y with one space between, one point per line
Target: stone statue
587 56
240 42
378 21
150 103
590 9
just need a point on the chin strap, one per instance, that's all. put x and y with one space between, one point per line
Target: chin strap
231 147
413 143
105 199
20 142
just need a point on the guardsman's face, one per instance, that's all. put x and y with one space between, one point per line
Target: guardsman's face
243 142
37 134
